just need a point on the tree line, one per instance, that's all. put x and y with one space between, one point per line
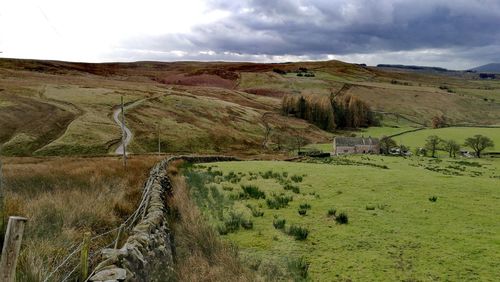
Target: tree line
434 143
329 113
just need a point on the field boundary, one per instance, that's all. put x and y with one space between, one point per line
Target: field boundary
150 247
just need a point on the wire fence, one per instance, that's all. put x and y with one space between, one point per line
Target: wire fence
72 258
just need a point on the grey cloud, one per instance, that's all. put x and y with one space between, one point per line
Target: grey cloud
344 27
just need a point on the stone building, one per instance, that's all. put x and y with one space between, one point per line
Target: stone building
355 145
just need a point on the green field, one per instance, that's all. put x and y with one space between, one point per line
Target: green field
394 232
417 139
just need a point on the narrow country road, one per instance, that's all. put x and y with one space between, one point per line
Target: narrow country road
128 133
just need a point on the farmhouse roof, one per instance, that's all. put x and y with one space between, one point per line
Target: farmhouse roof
353 141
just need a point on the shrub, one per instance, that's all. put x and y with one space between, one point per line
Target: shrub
342 218
300 233
279 223
302 211
296 178
277 202
332 212
433 199
253 191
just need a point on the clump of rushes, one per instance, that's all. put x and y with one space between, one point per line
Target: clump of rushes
299 233
296 178
293 188
370 207
342 218
305 206
253 191
332 212
255 212
279 223
278 201
433 199
302 211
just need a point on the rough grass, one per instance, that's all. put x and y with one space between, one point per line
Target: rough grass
393 239
58 108
201 255
65 197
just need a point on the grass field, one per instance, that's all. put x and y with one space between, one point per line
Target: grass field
394 231
417 139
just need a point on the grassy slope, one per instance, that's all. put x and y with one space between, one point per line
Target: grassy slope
52 108
405 237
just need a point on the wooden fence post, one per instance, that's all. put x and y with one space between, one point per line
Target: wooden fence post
2 216
118 237
11 248
84 257
159 142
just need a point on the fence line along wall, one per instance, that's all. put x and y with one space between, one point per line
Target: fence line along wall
149 250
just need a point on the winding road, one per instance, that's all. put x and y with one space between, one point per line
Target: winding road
128 133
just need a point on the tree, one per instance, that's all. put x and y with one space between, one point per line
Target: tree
479 143
432 144
438 121
452 147
386 144
300 142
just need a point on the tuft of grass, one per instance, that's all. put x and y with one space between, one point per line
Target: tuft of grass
255 211
302 211
299 268
293 188
297 178
278 201
298 232
433 199
253 191
342 218
305 206
279 223
332 212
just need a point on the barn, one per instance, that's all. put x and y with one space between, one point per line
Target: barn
355 145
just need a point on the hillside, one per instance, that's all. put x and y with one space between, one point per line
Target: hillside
493 67
61 108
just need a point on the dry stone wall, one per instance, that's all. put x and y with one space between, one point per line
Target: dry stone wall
148 253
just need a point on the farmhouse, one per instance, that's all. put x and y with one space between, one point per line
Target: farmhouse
355 145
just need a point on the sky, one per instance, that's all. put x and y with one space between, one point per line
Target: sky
455 34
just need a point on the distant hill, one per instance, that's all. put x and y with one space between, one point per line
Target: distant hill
493 67
410 67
